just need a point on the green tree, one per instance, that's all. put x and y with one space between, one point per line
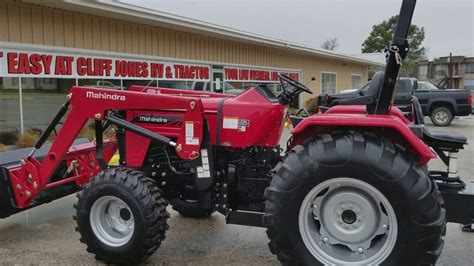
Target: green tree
382 35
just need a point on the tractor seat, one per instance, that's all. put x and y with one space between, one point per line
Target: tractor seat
435 139
444 140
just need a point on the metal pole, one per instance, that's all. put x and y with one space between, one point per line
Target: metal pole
22 129
77 82
121 84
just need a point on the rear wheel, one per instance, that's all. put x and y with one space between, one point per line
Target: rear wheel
352 198
121 216
442 116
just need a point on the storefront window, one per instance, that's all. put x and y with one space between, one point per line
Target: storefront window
42 98
181 85
101 83
9 112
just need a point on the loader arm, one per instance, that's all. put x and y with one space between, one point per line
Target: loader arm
32 176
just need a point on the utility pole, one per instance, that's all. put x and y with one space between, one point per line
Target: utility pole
450 71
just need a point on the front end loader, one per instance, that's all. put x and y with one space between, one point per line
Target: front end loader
352 187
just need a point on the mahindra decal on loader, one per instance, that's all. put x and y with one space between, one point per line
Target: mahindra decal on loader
352 187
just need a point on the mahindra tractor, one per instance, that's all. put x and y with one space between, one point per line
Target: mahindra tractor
352 187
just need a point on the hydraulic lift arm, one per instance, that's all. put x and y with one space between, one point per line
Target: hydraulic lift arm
33 176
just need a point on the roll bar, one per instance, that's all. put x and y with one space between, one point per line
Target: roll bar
397 51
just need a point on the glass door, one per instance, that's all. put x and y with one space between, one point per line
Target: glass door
218 81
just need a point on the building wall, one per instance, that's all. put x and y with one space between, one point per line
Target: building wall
31 24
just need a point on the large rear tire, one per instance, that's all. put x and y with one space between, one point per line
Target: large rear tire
121 216
353 198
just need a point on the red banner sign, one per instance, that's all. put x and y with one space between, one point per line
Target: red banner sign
61 65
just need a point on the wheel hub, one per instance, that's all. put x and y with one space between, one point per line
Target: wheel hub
112 221
346 221
441 116
349 216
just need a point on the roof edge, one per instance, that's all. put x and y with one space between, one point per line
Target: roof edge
144 14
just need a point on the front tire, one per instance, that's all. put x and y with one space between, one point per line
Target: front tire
442 116
352 198
121 216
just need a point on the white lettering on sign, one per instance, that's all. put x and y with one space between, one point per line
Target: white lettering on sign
256 75
105 96
43 63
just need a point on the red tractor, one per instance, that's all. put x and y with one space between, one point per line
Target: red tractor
353 186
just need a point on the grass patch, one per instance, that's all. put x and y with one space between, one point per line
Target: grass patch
27 139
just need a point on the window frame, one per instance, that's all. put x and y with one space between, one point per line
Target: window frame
335 80
425 68
352 85
469 66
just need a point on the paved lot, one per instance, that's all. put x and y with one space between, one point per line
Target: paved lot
189 241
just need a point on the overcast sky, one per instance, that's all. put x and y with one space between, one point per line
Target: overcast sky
449 24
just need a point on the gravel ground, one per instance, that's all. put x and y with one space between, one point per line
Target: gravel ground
190 241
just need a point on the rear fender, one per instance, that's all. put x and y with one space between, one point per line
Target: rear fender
390 126
450 103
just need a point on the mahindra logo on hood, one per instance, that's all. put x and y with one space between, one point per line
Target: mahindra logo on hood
105 96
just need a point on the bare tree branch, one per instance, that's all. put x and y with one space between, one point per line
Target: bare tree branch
330 44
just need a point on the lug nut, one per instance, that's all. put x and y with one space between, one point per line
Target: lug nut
360 250
163 183
325 240
385 226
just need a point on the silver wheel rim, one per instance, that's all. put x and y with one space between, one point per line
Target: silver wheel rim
441 116
112 221
345 221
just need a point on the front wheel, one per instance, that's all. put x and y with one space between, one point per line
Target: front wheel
121 216
350 198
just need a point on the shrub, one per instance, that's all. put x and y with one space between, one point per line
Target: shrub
87 131
312 105
2 147
27 139
8 137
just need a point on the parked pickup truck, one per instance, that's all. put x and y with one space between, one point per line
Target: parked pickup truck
440 105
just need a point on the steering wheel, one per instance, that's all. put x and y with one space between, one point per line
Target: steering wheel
293 83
